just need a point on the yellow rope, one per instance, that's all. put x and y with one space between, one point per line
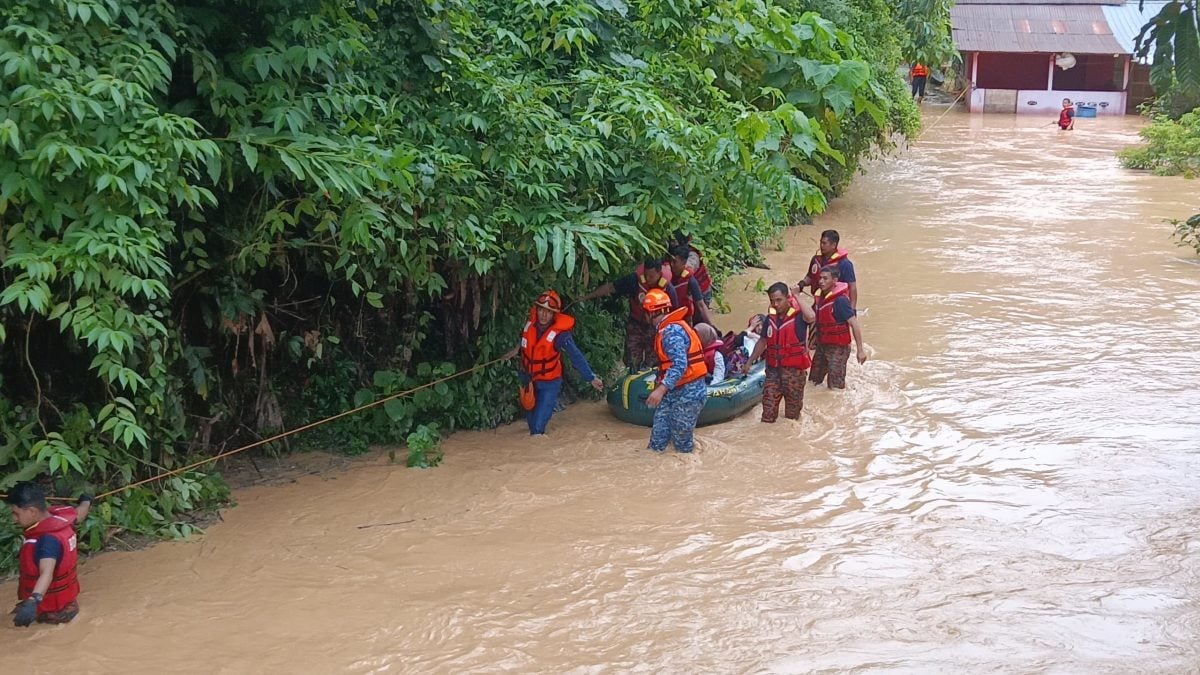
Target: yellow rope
947 112
282 434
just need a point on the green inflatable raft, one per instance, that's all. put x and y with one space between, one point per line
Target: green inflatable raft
726 400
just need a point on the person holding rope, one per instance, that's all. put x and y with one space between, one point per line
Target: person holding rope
681 390
547 334
47 588
1066 117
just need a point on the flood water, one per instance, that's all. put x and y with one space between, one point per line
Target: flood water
1009 485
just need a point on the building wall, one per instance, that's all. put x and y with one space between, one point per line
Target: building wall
1012 71
1017 83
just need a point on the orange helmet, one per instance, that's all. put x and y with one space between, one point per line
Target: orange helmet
550 301
656 300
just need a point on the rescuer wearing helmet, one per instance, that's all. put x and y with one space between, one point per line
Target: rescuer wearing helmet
681 390
639 333
47 587
546 335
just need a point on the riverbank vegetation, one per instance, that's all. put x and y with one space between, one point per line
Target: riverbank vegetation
224 220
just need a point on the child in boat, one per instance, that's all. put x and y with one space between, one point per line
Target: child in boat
738 348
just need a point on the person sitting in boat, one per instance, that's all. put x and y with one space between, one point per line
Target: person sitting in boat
547 334
681 391
836 324
687 288
47 587
714 360
639 333
786 347
738 348
829 252
695 264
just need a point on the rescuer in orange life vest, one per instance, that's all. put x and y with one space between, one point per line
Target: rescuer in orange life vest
681 390
785 342
1066 116
546 335
836 323
639 333
919 74
47 589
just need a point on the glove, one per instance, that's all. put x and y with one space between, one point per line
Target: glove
86 497
25 613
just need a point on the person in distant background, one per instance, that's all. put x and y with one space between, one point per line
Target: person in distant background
1066 116
47 588
919 74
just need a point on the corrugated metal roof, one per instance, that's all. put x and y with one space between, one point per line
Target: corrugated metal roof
1027 28
1126 22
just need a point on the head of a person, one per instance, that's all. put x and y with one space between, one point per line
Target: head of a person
780 297
829 242
548 304
707 333
652 271
678 258
756 322
657 305
679 237
829 277
27 502
1066 103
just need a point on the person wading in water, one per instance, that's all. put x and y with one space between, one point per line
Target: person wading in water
545 337
687 288
829 252
786 346
681 390
1066 116
639 334
47 588
836 323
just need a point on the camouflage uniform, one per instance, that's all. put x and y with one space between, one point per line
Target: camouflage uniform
830 360
676 416
787 384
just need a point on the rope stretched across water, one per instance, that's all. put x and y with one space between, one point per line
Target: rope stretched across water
947 112
283 434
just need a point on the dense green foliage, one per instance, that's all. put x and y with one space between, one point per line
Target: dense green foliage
1174 35
224 219
1172 149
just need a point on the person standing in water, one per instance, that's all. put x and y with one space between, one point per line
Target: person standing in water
830 252
47 587
786 346
1066 116
836 323
639 334
919 73
687 287
681 391
547 334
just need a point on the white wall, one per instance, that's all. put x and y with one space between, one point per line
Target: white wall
1050 102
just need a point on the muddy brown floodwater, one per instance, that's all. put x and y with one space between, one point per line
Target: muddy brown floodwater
1010 485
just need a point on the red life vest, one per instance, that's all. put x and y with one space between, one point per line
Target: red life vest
784 347
1064 118
64 588
701 272
819 262
919 70
710 359
681 284
829 331
695 361
539 356
636 313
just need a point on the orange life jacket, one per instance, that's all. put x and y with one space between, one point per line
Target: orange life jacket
539 356
829 331
64 587
695 369
919 70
